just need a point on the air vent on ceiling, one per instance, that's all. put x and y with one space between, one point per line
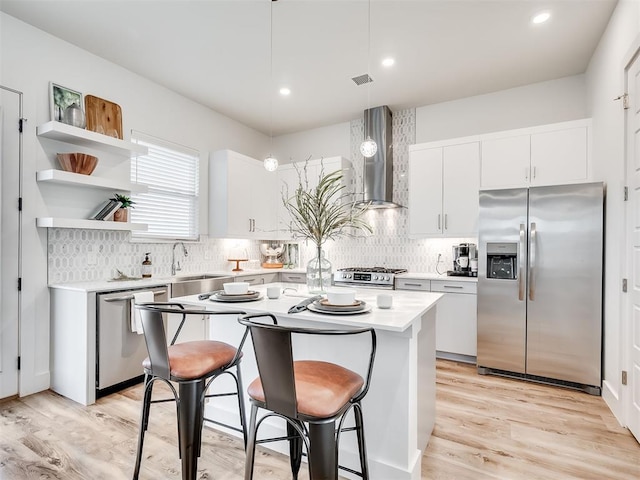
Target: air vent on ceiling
362 79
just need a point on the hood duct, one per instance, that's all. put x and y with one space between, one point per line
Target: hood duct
378 170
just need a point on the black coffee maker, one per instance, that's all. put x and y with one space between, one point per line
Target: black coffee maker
465 260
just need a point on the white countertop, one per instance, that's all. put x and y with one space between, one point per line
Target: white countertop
108 285
408 307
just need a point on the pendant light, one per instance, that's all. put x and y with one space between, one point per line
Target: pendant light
369 147
271 163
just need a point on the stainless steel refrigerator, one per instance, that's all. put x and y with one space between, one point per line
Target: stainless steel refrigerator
540 271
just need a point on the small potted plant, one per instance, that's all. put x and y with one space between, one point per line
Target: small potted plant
122 214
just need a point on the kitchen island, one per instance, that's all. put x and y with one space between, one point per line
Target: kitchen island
399 409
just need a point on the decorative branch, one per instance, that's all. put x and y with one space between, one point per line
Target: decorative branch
325 212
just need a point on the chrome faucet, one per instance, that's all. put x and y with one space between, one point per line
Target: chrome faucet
175 266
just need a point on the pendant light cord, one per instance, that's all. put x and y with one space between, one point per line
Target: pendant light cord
270 163
271 77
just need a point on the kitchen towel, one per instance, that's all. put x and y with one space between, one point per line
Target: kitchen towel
144 296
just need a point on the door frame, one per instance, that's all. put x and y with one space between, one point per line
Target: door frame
626 321
19 220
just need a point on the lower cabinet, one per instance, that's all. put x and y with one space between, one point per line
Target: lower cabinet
290 277
456 316
258 279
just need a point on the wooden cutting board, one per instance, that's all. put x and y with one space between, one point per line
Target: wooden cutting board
103 116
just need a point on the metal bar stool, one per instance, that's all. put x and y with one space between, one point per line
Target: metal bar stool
305 392
193 366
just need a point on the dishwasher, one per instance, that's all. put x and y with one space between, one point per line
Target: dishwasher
119 351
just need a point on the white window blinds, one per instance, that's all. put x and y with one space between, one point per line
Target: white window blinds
171 172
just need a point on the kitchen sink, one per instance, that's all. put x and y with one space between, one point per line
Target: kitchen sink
195 284
188 278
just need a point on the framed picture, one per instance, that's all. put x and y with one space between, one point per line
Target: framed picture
60 98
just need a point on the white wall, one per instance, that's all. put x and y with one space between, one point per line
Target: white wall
330 141
30 60
536 104
605 81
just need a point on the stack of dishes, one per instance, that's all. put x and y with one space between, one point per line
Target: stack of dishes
221 296
323 306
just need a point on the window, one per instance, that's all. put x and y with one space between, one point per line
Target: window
171 172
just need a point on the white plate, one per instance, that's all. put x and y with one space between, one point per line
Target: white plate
323 306
315 309
234 298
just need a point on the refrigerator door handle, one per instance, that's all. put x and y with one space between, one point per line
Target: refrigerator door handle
532 262
521 263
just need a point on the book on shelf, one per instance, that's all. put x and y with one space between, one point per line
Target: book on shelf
111 210
105 210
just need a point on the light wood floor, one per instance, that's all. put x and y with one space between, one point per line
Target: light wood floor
486 428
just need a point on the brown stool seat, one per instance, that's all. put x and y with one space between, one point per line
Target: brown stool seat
195 359
322 388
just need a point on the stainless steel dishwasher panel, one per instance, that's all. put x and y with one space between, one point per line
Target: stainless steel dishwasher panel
119 351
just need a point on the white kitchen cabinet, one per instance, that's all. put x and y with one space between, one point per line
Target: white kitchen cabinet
290 277
241 197
505 161
413 284
456 315
309 172
456 318
443 189
121 149
544 155
559 156
258 278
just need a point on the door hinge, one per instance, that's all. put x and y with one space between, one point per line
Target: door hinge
626 193
19 363
625 100
19 204
21 123
624 285
624 377
19 284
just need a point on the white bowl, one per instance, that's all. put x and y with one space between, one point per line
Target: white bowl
341 296
236 288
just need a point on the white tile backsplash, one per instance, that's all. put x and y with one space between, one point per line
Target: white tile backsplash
69 250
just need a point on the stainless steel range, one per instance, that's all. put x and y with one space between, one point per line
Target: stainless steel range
374 277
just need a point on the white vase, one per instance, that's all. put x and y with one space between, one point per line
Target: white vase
318 273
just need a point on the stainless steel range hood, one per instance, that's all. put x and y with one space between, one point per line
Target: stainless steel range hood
378 170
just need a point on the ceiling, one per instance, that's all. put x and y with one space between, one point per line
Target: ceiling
217 52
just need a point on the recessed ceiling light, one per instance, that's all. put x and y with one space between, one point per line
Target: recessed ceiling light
541 17
285 91
387 62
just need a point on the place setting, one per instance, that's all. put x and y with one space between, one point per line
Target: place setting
235 292
339 302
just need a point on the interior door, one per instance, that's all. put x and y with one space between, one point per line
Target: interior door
632 394
10 113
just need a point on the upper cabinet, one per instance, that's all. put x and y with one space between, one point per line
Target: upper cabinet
58 199
443 189
545 155
309 172
241 197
